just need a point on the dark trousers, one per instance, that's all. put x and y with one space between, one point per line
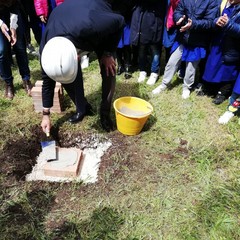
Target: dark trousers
75 91
31 21
155 57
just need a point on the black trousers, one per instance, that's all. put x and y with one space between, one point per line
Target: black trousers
75 91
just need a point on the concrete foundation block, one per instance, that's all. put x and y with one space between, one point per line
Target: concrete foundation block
68 163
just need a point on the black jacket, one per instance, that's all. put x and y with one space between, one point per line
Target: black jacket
7 7
91 25
147 22
88 24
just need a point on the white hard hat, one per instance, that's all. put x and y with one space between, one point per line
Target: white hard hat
59 60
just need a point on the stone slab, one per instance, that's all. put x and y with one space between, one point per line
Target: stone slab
68 163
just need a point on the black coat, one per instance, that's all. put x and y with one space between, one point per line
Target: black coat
88 24
148 22
7 7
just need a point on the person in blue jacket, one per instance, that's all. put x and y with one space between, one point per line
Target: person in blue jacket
231 54
88 26
221 68
194 20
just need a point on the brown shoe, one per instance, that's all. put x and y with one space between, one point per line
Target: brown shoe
9 91
28 87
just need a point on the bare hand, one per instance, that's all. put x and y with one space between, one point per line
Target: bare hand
186 26
46 124
13 36
110 65
179 22
6 32
222 21
43 19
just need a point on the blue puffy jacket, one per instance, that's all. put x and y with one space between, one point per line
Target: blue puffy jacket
231 45
202 13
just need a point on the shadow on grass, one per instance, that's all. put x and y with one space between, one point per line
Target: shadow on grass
24 219
103 224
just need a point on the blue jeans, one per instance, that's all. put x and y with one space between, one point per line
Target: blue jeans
21 55
155 53
5 61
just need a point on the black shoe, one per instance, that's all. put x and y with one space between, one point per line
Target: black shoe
77 117
120 70
200 90
106 123
219 99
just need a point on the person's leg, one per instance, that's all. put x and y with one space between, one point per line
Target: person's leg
155 66
232 109
5 66
170 69
127 61
108 89
75 90
142 57
189 78
120 61
224 92
21 55
134 61
172 65
35 24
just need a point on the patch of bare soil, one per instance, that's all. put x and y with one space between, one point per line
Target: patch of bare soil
19 155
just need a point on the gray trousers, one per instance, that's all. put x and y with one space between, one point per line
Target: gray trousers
173 65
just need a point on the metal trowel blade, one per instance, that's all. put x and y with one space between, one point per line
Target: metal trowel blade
49 150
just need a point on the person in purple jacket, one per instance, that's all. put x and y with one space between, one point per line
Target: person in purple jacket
75 27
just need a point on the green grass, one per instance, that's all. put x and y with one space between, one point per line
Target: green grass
177 179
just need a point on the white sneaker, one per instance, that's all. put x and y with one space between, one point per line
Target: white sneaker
84 61
224 119
142 76
159 89
152 79
185 93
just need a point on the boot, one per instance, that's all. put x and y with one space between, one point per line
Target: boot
28 87
9 91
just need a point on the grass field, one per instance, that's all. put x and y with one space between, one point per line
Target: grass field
178 179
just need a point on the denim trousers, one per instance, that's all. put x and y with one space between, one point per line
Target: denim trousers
155 54
21 55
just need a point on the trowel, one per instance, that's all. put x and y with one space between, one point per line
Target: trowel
49 150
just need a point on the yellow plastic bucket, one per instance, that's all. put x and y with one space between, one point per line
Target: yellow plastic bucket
131 114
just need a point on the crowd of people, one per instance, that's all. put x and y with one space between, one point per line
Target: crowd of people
194 35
